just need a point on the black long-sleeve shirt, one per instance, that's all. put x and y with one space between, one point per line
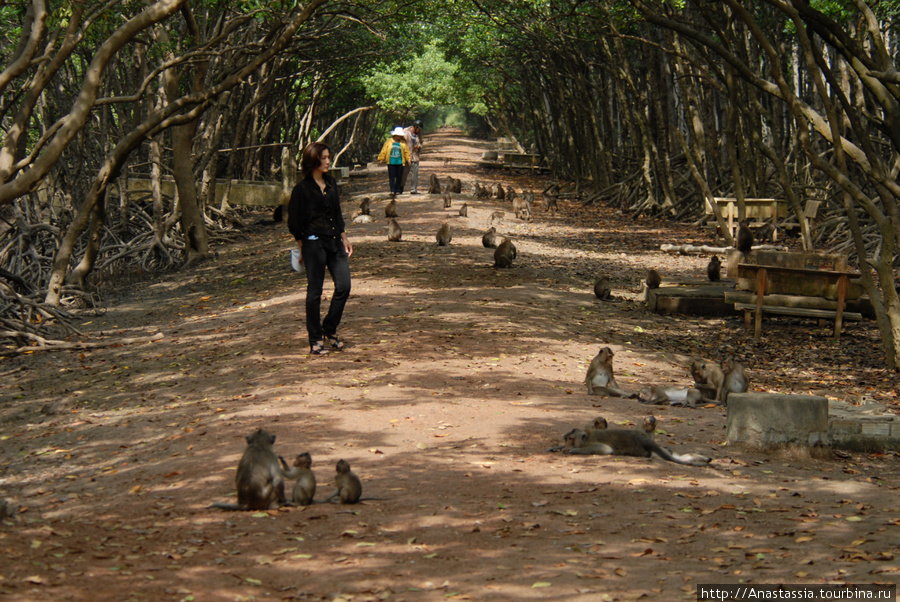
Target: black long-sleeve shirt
313 212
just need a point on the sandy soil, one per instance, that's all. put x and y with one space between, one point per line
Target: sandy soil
456 378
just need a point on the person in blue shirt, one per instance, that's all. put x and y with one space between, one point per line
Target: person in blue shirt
395 153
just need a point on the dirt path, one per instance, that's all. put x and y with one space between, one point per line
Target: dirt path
456 379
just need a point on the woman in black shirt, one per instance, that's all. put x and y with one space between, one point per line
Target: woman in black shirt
316 222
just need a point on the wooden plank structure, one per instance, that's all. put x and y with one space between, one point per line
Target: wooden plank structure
773 285
759 212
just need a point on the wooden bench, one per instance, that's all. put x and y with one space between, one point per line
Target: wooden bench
773 285
758 211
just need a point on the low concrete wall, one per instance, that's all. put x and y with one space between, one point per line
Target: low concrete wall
767 420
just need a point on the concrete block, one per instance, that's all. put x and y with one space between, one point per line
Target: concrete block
767 420
875 428
842 428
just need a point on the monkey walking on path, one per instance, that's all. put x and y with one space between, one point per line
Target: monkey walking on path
259 479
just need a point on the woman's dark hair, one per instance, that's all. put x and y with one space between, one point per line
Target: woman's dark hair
312 157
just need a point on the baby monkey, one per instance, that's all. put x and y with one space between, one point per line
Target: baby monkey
305 488
349 487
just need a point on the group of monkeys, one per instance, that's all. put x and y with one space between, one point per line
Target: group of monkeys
505 250
261 474
712 383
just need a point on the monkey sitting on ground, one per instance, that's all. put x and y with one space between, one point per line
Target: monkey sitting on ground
305 488
709 379
349 487
670 395
259 479
489 238
505 253
625 442
653 279
600 379
454 184
444 235
434 185
735 379
602 289
447 200
364 206
500 193
394 231
464 210
714 269
390 210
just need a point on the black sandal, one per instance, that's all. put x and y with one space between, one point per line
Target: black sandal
318 348
336 343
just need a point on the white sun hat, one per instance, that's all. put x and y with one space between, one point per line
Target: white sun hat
398 131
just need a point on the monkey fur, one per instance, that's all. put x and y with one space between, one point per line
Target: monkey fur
504 254
489 238
259 480
349 487
600 379
305 488
714 269
444 235
395 233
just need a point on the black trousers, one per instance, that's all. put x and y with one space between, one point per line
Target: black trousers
395 178
317 256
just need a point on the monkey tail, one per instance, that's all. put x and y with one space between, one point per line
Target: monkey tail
687 459
224 506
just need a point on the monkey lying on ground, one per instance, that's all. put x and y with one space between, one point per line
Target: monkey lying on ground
305 488
670 395
600 379
625 442
259 479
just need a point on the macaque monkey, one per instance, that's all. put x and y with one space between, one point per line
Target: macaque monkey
714 269
670 395
600 379
602 289
552 203
280 213
653 279
521 209
735 379
390 210
364 206
743 242
434 185
455 185
446 198
766 232
464 210
528 195
499 194
489 238
497 215
363 219
709 379
510 194
259 479
349 487
444 235
625 442
505 253
395 233
305 488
